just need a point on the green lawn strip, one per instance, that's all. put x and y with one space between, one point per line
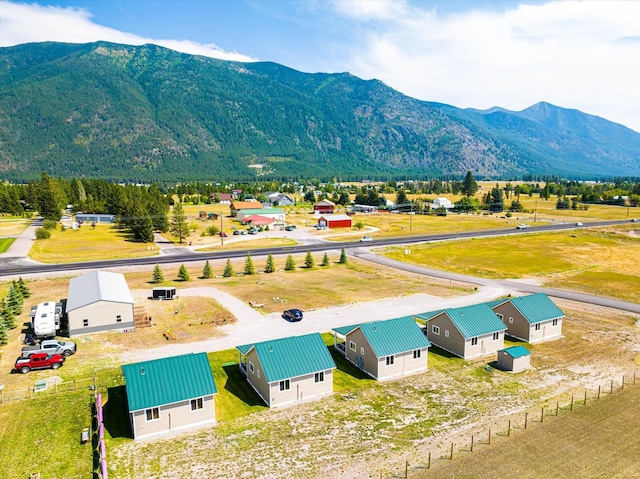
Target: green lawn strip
42 435
5 243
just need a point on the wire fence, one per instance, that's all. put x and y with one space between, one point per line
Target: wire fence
419 466
44 387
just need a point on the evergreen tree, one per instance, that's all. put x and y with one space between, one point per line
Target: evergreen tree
290 265
325 260
401 197
141 225
496 200
343 257
158 276
183 274
469 185
249 268
270 267
7 315
228 270
24 289
207 271
4 333
308 261
14 299
179 226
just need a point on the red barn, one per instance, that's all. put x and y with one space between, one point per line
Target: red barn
335 221
324 207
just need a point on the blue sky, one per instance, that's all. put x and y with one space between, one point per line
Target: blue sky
479 54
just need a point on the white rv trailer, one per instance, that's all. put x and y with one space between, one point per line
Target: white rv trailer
45 319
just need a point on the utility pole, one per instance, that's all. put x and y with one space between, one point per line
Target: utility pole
535 211
221 230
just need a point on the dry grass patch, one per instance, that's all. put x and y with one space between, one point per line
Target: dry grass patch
104 242
13 226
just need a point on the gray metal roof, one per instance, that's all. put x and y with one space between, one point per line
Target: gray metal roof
98 286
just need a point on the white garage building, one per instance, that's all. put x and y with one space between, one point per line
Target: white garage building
99 301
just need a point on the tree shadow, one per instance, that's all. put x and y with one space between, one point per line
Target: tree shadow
238 385
345 366
116 413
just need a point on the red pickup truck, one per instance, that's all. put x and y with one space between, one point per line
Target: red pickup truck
39 361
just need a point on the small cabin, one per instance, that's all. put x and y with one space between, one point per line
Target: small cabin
161 293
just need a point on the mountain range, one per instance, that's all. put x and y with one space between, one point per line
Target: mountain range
147 113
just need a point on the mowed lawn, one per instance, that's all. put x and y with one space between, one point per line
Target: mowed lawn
603 262
598 440
89 244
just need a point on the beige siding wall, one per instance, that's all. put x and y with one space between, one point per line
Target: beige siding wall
485 346
454 343
302 388
369 360
101 316
517 325
404 364
256 378
546 331
174 417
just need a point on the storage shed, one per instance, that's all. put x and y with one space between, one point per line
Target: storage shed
335 221
99 301
514 359
170 394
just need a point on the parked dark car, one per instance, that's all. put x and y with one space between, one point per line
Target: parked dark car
290 227
292 315
223 234
236 233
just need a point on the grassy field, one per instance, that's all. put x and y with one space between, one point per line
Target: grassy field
5 243
89 244
604 261
607 428
12 225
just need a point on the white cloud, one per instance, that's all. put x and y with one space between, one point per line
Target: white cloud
27 23
583 55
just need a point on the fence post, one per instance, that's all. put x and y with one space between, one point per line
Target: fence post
451 453
526 418
557 407
406 469
489 436
471 442
585 397
598 391
571 407
429 461
611 390
509 429
542 415
623 381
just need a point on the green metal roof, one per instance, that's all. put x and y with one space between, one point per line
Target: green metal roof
291 357
262 211
516 351
391 336
493 304
168 380
471 321
537 307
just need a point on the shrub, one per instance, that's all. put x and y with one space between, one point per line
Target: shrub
49 224
183 274
308 260
270 267
158 276
343 257
325 260
42 233
249 268
228 270
207 271
290 265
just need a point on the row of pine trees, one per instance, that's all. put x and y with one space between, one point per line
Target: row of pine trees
11 306
249 267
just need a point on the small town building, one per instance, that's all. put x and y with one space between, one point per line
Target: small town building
258 221
222 198
277 214
442 203
532 318
169 395
384 349
237 206
364 209
514 359
279 199
324 207
84 218
289 370
335 221
99 301
468 332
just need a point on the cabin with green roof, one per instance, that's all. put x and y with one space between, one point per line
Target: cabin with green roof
533 318
385 350
169 395
289 370
469 332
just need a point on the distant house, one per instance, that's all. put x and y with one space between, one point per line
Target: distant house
364 209
335 221
514 359
384 349
237 206
223 198
468 332
95 218
277 214
259 221
442 203
99 301
169 395
288 370
280 199
533 318
324 207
